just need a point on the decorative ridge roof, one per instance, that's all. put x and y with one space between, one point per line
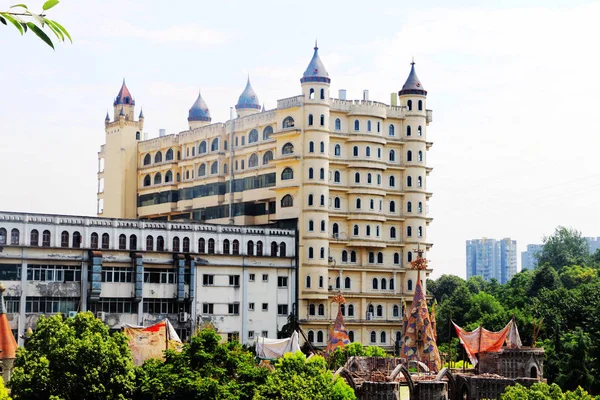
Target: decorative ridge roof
248 98
124 96
8 344
315 72
413 84
199 110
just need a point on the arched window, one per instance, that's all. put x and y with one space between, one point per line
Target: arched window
267 157
420 208
157 178
369 178
201 245
202 147
369 126
383 284
420 157
322 174
311 173
175 243
287 174
202 170
391 283
214 146
211 246
288 122
311 252
358 204
409 155
378 179
355 151
392 130
158 157
311 336
322 147
351 334
409 285
323 226
147 159
14 236
419 181
372 259
373 337
408 131
311 199
392 206
310 119
355 230
420 231
147 180
353 256
371 204
169 155
149 243
308 287
344 256
193 151
322 94
311 147
168 177
242 164
368 230
395 309
393 232
253 161
392 181
357 177
338 124
409 181
122 242
64 238
94 240
320 333
311 225
380 259
356 125
382 337
224 144
287 201
46 238
409 207
375 283
250 248
105 241
186 245
132 242
337 202
392 155
380 310
335 229
409 256
338 284
347 283
419 131
311 94
226 246
253 136
396 258
337 150
214 168
420 105
160 243
267 132
322 203
236 247
287 148
337 177
321 308
282 249
409 105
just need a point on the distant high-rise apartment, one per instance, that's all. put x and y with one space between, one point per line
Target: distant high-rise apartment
492 259
529 258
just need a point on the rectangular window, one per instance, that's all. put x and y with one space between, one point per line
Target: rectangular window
282 309
208 308
282 281
164 306
265 333
234 280
252 277
265 277
12 304
234 308
117 274
10 272
51 305
251 306
208 280
233 336
53 273
250 334
265 306
114 305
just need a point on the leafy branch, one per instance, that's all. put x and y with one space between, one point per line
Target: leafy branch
23 19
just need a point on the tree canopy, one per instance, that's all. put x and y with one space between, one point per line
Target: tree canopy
565 247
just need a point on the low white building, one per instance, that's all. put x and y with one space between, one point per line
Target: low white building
241 279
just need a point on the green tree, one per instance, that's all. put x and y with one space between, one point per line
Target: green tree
577 364
444 286
565 247
573 276
3 392
21 18
544 277
543 391
375 351
296 378
75 358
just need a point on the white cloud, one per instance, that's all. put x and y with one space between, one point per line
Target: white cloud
185 33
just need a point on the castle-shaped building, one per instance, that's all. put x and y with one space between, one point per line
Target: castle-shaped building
349 175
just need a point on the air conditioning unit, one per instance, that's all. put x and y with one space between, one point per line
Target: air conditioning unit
101 315
183 317
72 314
369 316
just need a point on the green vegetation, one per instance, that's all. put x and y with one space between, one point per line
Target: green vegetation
22 19
542 391
564 291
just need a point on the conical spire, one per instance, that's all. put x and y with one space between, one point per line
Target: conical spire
141 113
124 96
413 84
107 117
8 344
315 72
248 98
199 110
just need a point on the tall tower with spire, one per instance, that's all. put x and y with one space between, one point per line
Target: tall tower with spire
118 159
248 103
199 114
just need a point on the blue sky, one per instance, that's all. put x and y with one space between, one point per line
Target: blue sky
513 87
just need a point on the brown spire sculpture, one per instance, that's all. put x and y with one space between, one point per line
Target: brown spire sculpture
338 337
8 344
419 338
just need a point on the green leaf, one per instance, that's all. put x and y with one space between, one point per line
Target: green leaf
13 21
24 25
49 4
56 30
63 30
19 5
40 33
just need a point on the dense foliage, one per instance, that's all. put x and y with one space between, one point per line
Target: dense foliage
542 391
564 291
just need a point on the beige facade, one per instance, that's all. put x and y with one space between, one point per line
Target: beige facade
351 175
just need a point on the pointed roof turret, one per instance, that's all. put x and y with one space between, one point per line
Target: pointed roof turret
141 113
248 98
315 72
199 110
413 84
107 117
8 344
124 96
